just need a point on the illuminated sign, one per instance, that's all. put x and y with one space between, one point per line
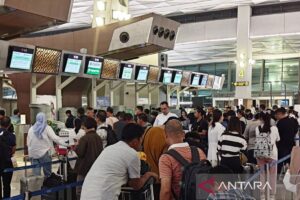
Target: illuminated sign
241 83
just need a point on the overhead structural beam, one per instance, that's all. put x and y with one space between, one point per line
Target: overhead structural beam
95 89
184 89
141 88
117 86
101 85
113 89
42 81
66 82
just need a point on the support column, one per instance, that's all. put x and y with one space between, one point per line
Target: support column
244 53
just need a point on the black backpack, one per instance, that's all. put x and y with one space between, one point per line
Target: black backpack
111 135
188 186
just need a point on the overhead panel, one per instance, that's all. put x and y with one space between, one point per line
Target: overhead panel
18 17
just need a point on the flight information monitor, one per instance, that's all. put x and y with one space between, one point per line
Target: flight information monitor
217 83
203 80
19 58
126 71
141 73
166 76
72 63
195 79
93 66
177 77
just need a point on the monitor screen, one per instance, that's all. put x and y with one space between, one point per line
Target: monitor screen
19 58
93 66
72 63
167 76
203 80
126 71
141 73
195 79
177 77
217 83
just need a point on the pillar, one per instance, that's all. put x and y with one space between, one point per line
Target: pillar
244 53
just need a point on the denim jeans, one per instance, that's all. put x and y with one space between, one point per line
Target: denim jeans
47 169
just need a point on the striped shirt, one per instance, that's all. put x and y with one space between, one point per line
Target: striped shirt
230 144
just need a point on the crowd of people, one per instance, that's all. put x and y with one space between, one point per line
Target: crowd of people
107 146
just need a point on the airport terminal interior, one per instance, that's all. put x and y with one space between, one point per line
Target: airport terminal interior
149 99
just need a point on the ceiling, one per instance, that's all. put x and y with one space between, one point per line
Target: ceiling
205 52
172 7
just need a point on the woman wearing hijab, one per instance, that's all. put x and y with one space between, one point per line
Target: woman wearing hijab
40 144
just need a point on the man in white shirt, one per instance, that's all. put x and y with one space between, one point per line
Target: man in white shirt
101 127
111 119
164 115
117 165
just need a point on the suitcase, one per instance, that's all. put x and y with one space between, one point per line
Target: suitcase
31 183
145 193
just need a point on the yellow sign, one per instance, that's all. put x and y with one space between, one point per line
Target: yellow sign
241 83
242 73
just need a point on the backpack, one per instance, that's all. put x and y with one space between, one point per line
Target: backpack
111 135
188 185
263 145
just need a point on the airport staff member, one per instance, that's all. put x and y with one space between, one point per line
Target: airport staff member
164 115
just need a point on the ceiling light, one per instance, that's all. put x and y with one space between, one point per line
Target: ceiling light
116 14
100 5
99 21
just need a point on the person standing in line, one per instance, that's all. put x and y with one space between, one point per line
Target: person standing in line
138 110
15 119
230 145
111 119
241 116
9 139
90 112
88 150
101 125
201 125
76 133
119 125
142 120
185 121
81 115
2 114
287 131
40 144
216 129
147 112
117 165
70 119
266 127
250 136
164 115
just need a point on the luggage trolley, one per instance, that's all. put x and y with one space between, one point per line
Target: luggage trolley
145 193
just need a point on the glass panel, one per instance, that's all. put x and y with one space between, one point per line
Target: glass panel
256 70
233 76
208 68
222 68
290 74
273 73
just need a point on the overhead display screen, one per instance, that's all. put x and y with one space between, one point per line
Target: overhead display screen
46 61
195 79
19 58
93 66
203 80
141 73
126 71
110 69
177 77
210 81
72 63
166 76
217 83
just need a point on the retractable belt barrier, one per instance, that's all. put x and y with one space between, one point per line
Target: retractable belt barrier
30 166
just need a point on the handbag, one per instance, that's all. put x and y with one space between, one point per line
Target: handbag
243 158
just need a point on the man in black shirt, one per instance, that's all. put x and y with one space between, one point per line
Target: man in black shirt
287 128
201 125
70 119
